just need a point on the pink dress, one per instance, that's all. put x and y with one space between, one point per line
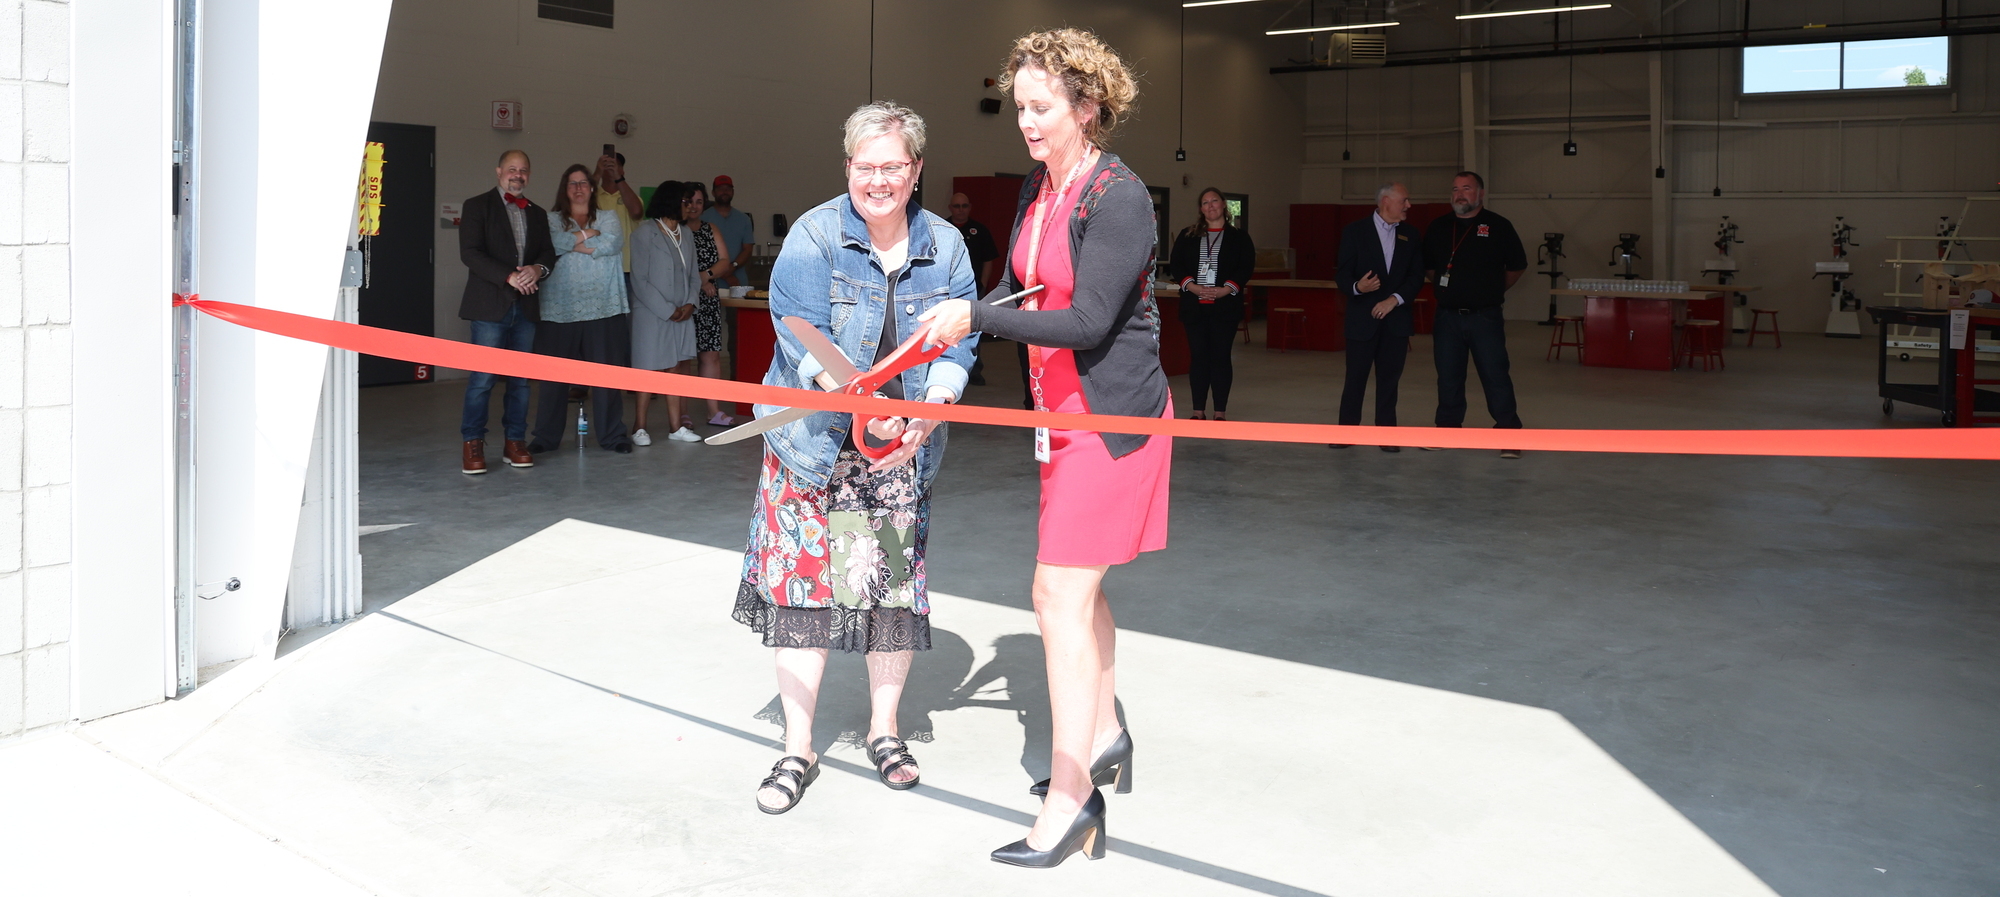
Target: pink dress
1096 509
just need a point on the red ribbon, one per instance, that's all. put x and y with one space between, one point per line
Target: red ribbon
1971 444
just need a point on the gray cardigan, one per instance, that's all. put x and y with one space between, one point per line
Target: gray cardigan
1112 323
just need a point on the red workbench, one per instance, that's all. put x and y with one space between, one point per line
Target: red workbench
1325 307
756 342
1632 329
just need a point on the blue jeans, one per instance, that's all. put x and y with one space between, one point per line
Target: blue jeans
514 332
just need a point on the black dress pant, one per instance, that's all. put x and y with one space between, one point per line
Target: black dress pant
606 341
1384 354
1481 333
1211 333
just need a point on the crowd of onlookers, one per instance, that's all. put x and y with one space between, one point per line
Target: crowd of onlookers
600 275
605 276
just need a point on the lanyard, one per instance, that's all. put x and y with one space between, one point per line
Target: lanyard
1457 240
1045 206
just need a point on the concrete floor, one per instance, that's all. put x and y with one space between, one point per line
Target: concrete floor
1565 674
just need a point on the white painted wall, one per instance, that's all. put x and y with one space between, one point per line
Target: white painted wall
1783 182
36 400
121 274
759 91
287 89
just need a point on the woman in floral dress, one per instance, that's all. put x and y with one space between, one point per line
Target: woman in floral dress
836 553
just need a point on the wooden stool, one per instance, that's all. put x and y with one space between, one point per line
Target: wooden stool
1708 334
1558 338
1282 326
1243 326
1757 317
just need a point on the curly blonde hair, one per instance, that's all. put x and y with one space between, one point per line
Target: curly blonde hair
1090 72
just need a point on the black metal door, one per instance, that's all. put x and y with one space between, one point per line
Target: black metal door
401 274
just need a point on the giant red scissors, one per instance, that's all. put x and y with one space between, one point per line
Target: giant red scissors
853 381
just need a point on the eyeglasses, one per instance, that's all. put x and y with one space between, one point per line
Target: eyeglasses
862 171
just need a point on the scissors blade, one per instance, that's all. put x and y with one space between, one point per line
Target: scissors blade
823 350
767 422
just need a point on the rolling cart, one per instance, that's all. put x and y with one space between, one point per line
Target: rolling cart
1956 395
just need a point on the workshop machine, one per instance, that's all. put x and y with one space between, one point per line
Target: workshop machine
1723 266
1626 250
1550 253
1843 317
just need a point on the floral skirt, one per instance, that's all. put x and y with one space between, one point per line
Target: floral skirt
707 324
840 566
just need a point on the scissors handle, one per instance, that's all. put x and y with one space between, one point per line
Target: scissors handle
908 355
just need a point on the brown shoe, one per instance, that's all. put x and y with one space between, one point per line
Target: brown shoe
475 456
518 455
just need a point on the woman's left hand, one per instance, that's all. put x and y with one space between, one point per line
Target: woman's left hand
916 431
950 320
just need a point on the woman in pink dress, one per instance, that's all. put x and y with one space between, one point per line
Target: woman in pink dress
1084 232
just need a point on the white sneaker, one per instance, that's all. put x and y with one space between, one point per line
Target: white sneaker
683 435
641 437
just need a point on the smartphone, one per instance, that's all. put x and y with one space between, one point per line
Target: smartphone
611 151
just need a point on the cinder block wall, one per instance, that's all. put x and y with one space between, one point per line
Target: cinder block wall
35 420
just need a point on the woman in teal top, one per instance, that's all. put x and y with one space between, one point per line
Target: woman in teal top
584 312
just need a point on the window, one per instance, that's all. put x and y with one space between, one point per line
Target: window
582 12
1847 65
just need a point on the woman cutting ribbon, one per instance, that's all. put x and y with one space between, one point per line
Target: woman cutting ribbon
836 554
1084 230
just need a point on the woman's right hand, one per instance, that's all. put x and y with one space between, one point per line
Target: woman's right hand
950 320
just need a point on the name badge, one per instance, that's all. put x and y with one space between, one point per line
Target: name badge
1042 444
1444 280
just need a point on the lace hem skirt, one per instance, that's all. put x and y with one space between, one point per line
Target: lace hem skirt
851 629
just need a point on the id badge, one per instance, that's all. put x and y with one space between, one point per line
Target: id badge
1444 280
1042 444
1206 274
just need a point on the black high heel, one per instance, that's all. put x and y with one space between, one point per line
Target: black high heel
1114 766
1086 833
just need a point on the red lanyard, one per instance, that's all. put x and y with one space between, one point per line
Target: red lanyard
1045 206
1457 240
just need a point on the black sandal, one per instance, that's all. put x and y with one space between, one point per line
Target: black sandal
890 748
790 781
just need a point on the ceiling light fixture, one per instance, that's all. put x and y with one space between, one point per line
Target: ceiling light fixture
1333 28
1214 3
1531 12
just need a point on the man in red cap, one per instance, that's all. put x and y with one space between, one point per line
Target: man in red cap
738 233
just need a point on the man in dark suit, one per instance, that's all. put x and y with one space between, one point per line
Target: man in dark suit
503 238
1381 270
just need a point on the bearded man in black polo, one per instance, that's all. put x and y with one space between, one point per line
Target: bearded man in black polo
1474 257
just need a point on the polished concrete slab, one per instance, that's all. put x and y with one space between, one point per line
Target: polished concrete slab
80 821
1792 659
527 726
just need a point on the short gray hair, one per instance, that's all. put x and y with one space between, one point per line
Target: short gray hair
1386 189
886 117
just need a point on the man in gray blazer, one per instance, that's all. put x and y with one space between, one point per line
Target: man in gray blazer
503 239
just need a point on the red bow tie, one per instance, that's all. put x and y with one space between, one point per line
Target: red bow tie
520 201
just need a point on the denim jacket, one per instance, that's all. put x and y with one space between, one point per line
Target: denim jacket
827 273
